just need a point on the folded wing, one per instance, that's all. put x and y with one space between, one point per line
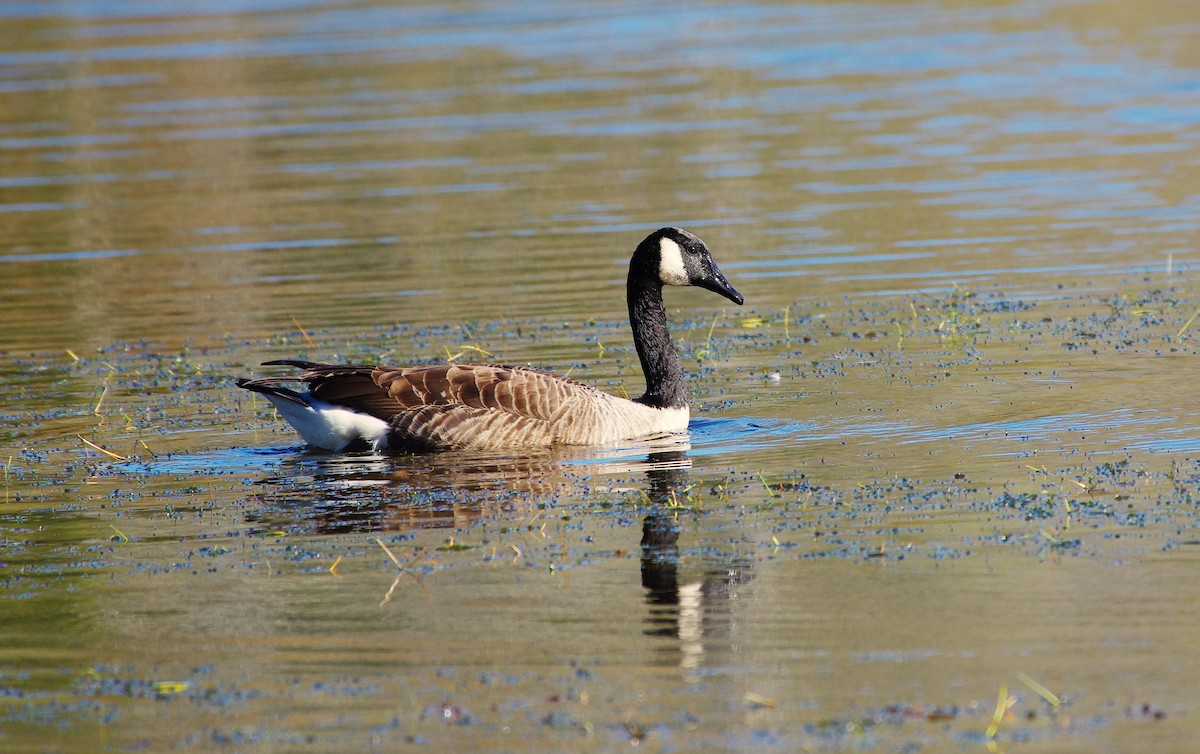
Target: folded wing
455 405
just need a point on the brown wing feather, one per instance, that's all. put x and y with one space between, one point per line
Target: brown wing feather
432 426
454 425
450 405
521 391
352 387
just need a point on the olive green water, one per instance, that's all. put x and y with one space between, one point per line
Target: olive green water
940 491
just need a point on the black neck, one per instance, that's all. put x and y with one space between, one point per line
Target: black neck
660 364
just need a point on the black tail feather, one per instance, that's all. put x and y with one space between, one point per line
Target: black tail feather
298 363
269 386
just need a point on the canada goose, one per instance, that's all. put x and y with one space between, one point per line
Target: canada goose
484 406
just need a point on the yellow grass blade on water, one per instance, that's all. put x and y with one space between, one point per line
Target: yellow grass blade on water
1003 703
389 553
170 688
760 700
99 402
94 446
307 339
1041 690
1186 325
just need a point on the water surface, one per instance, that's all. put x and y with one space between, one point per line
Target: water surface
944 456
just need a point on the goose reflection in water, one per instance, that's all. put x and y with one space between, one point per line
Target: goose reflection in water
321 493
343 494
325 494
697 612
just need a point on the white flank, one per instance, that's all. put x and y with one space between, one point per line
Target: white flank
670 264
673 419
603 419
329 427
647 423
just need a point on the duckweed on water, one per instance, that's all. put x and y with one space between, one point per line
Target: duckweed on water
837 486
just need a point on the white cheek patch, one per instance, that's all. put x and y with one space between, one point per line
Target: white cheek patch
670 263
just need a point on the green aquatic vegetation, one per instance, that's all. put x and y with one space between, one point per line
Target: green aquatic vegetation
453 545
959 319
471 346
707 349
1034 505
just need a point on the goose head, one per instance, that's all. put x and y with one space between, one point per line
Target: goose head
673 256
